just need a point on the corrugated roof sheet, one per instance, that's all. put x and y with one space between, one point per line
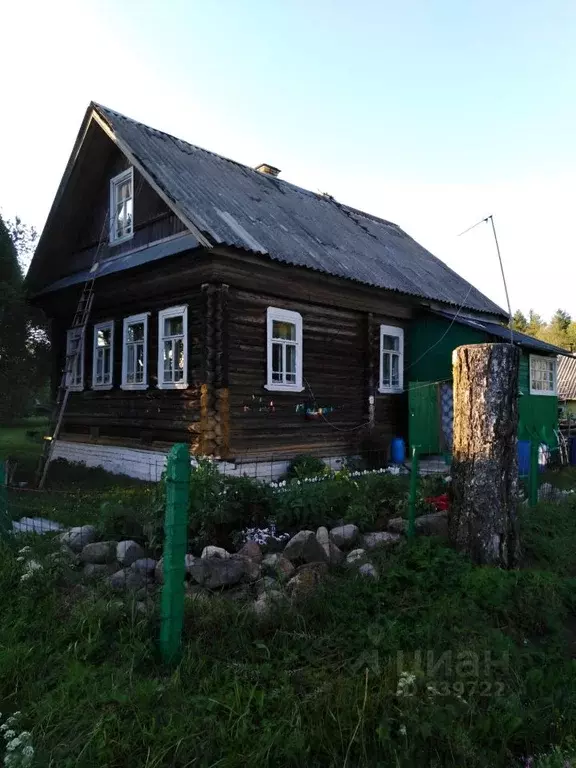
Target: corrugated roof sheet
567 378
503 332
240 207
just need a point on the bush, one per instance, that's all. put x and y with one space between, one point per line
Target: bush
376 499
305 466
221 506
312 504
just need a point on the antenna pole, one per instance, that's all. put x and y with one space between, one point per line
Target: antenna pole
503 278
491 220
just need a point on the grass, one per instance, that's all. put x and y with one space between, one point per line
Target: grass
313 687
22 443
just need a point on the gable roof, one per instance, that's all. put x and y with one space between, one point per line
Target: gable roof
226 203
567 378
503 332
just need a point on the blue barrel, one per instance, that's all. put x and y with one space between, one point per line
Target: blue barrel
524 457
398 450
572 449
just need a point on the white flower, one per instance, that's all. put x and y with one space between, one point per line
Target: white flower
24 550
11 746
20 559
28 751
4 727
25 735
9 735
403 730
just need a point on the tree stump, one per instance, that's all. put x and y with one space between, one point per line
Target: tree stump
482 519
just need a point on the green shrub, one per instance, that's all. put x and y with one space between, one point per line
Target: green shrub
305 466
312 504
376 499
221 506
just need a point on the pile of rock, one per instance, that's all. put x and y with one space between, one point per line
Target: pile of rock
249 574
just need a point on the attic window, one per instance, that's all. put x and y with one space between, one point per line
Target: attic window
122 207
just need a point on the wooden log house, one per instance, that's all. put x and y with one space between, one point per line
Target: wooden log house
234 311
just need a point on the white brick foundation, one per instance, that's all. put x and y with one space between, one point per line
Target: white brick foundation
149 465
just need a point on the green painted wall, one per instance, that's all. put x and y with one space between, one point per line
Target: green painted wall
429 359
538 417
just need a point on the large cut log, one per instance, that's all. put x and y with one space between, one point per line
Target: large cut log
482 521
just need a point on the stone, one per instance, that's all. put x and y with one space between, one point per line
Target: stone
305 546
303 584
251 550
252 570
319 569
278 566
239 594
398 525
129 551
93 571
334 555
435 524
345 536
266 584
77 538
215 572
368 571
38 525
144 564
355 557
380 539
211 551
99 552
127 579
267 601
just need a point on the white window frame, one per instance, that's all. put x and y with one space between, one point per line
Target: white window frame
132 320
164 315
115 184
79 386
107 324
284 316
554 360
391 330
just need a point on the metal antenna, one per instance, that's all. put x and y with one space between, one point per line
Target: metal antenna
491 220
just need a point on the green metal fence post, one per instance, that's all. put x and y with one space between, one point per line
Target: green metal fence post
533 481
5 522
413 488
175 540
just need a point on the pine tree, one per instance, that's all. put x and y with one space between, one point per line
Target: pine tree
14 362
519 322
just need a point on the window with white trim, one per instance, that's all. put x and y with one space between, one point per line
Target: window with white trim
284 333
542 375
103 355
391 359
135 352
173 348
122 207
75 367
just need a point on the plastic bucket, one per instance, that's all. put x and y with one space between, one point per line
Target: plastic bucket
398 450
524 457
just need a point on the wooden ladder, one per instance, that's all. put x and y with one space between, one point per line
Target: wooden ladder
80 323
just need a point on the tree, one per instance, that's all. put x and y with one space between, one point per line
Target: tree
13 331
24 238
482 520
519 322
535 323
24 345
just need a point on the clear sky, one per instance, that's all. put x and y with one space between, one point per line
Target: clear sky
433 114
